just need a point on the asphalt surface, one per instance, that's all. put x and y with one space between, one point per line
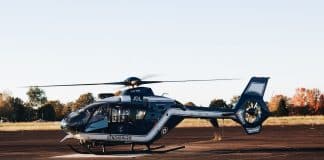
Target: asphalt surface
279 142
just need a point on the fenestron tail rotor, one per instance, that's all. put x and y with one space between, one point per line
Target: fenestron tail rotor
134 82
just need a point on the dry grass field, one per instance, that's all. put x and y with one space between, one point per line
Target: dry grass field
272 121
28 126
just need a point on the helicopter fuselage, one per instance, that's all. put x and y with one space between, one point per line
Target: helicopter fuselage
136 116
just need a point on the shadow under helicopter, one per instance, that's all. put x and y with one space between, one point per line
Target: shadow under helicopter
152 150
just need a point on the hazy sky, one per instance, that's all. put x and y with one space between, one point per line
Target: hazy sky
62 41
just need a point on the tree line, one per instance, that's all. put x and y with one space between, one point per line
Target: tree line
303 102
38 107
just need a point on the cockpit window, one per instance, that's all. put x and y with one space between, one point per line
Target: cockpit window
78 118
73 114
99 114
85 116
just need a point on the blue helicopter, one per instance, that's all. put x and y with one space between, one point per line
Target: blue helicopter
139 117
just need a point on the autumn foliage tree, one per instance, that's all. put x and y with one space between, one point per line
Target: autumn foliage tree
5 109
320 105
306 101
82 101
67 108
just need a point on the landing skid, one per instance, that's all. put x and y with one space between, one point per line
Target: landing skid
149 149
168 150
153 150
77 150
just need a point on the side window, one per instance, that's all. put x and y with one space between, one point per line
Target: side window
114 115
124 115
140 114
120 114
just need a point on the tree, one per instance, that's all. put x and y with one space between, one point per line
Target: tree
218 103
118 93
234 100
1 98
278 105
274 102
30 114
305 101
282 109
191 104
5 109
321 105
36 97
82 101
12 108
18 109
67 108
58 108
46 112
299 99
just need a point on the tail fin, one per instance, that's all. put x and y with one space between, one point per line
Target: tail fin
251 110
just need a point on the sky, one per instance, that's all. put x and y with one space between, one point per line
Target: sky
77 41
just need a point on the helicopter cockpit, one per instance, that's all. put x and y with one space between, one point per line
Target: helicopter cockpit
113 118
77 120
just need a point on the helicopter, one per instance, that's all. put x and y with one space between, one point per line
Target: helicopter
139 117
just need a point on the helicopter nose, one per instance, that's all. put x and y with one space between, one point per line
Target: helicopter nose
63 124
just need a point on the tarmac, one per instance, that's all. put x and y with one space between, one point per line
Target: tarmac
274 142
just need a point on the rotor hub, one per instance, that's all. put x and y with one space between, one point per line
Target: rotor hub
133 81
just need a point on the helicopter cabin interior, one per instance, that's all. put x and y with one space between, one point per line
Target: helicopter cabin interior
118 119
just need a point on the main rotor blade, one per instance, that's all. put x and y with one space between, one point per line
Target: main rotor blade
126 83
191 80
80 84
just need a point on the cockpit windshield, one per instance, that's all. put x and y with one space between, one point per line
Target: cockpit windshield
99 114
78 118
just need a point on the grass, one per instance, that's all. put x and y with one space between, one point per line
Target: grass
20 126
272 121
